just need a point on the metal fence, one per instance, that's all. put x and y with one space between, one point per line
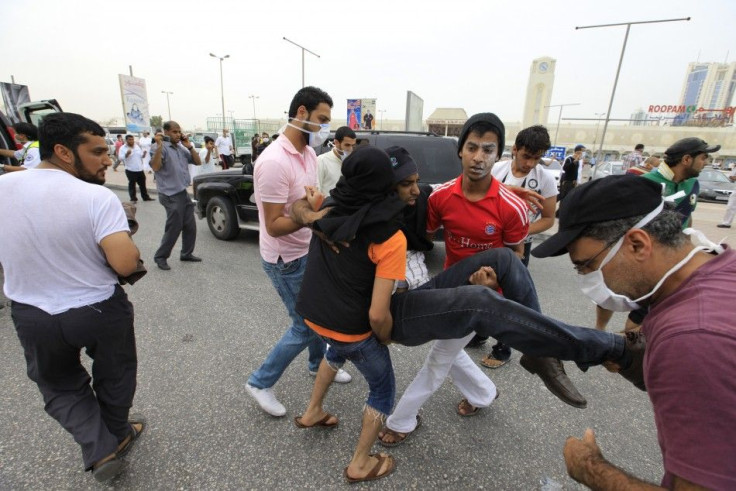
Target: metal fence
242 130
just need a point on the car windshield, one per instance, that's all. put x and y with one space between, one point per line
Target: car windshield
553 165
711 175
437 160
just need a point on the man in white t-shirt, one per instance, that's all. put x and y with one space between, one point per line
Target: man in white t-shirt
224 146
208 156
63 248
329 164
145 143
131 155
523 171
27 135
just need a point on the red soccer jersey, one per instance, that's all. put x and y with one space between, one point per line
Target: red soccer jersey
499 219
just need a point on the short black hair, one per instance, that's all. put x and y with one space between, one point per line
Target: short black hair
534 139
208 139
639 146
67 129
309 97
344 131
169 124
26 129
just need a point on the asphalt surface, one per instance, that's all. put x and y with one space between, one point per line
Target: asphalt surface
202 328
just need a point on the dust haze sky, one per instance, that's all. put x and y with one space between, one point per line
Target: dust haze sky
470 54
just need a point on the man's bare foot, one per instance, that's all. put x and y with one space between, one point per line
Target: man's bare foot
375 466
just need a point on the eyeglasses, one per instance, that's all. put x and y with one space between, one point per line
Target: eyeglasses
580 268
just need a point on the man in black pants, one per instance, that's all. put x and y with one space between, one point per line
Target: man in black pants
62 250
132 156
571 169
170 159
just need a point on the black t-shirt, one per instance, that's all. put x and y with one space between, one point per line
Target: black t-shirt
570 169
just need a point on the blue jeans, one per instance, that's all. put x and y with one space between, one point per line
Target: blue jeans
373 361
287 279
447 307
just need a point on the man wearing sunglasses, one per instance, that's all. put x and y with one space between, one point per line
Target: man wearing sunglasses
630 250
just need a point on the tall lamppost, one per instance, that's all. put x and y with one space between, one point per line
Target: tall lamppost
222 87
381 111
618 70
303 50
255 121
168 104
595 137
559 117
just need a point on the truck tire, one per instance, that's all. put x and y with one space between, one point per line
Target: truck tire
222 218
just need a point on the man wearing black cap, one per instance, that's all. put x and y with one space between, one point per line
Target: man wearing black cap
626 245
682 164
478 213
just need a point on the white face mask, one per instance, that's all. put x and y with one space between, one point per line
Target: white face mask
594 286
316 138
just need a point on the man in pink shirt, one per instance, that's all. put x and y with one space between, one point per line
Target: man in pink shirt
631 252
280 176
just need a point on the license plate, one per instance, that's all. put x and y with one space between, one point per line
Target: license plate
721 198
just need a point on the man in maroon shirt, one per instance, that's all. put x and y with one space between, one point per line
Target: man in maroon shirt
628 244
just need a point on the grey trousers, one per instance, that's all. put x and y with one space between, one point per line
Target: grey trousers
179 220
96 415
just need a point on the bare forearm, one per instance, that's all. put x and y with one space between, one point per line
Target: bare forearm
541 225
156 159
382 327
602 475
195 155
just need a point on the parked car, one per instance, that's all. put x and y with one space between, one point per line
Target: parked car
226 198
553 167
714 185
610 168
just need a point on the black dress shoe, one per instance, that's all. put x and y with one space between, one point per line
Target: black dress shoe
552 373
162 264
191 258
147 198
636 346
134 201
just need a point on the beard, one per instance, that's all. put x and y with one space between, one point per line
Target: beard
84 174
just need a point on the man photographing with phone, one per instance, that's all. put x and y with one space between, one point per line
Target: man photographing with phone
171 155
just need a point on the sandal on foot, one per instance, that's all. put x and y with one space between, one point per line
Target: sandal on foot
135 422
399 438
321 423
489 361
374 473
466 410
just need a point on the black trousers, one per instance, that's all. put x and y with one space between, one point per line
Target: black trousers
179 220
96 415
565 187
136 177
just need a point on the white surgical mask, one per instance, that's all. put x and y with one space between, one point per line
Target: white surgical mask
316 138
343 154
594 286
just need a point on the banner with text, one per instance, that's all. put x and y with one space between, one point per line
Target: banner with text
135 103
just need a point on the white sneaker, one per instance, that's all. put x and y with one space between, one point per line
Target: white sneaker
342 377
267 400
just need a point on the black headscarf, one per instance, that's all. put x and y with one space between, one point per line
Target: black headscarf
363 199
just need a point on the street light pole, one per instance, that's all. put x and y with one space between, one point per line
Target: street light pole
595 136
381 111
303 50
559 117
168 104
222 87
618 70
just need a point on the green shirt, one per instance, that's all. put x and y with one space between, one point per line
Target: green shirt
691 187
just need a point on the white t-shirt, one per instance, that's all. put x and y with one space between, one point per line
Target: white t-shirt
207 166
538 179
49 245
329 170
134 161
223 144
32 155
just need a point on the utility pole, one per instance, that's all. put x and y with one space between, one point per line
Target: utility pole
303 50
559 117
222 87
168 104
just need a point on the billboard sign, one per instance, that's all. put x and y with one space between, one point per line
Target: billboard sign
135 103
414 112
13 96
361 114
557 152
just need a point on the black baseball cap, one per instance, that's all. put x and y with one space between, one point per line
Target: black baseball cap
489 118
610 198
402 163
689 146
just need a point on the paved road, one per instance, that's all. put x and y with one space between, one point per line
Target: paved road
202 328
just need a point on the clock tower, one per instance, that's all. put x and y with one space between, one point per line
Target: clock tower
539 91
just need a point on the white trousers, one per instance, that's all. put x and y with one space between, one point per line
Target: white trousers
445 357
730 210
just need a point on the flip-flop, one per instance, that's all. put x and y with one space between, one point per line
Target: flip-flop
475 408
127 444
373 474
489 361
397 435
321 423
